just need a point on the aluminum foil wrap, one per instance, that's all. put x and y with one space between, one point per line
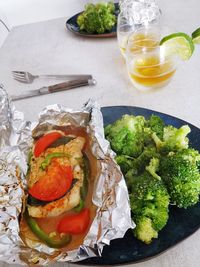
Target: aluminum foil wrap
110 194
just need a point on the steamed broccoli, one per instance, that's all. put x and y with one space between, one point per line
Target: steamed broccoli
149 202
158 166
181 175
97 18
153 167
126 135
137 165
141 162
144 230
174 139
156 125
125 163
191 154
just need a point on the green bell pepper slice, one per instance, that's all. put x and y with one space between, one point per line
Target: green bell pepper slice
86 171
84 188
80 206
50 156
51 242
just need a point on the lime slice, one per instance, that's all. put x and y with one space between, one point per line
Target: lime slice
196 36
178 43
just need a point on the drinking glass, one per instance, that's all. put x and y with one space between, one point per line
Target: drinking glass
124 29
133 15
149 65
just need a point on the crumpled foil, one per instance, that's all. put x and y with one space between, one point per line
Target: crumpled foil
110 194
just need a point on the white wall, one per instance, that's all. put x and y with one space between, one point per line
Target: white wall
27 11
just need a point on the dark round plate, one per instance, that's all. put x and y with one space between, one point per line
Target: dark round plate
72 26
182 222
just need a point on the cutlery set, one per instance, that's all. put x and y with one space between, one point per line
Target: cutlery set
72 81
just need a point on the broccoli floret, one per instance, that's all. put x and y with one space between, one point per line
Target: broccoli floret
111 7
149 202
126 135
191 155
125 162
144 230
148 140
153 167
144 158
97 18
136 165
181 175
174 139
156 124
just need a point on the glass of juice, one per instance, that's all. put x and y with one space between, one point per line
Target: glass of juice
149 65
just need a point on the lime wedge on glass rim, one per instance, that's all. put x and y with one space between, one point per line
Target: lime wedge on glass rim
178 43
196 36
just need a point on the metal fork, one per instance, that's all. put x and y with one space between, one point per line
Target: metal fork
27 77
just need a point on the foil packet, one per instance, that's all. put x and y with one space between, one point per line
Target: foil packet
110 194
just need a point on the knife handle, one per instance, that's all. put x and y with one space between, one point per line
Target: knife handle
68 85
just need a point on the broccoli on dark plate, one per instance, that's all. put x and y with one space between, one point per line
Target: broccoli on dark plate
97 18
149 202
159 168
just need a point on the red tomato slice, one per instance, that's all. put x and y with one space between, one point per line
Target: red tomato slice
54 184
74 224
45 141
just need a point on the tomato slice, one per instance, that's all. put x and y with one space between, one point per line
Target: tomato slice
54 184
45 141
75 224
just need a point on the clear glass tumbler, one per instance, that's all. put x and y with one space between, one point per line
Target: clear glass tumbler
133 15
124 29
149 65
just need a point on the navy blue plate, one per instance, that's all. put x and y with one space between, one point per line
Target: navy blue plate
181 224
72 25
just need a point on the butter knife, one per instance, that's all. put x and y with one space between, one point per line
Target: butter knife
55 88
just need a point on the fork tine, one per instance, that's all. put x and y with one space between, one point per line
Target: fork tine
18 74
22 76
19 77
20 80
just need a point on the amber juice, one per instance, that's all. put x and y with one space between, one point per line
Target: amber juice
148 65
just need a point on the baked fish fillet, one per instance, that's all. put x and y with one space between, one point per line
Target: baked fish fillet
72 198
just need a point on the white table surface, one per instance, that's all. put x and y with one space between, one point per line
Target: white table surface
47 47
